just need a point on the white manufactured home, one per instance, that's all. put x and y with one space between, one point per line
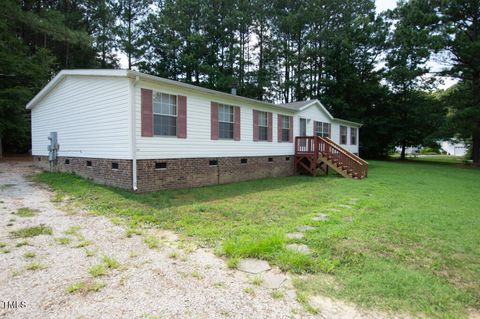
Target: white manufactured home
141 132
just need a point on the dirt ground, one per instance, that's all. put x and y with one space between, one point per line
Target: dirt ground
52 275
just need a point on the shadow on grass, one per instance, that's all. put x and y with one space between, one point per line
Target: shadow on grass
88 189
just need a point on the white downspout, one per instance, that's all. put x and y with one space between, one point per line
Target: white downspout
134 133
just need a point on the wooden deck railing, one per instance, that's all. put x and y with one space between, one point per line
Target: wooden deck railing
315 145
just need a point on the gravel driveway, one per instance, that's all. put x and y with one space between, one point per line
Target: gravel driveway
88 267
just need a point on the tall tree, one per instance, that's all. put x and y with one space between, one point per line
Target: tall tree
459 22
131 13
409 51
101 19
33 44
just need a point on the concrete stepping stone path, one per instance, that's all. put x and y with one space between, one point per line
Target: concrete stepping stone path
253 266
272 280
303 228
321 216
295 235
300 248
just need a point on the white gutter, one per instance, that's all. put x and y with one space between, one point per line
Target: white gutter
134 133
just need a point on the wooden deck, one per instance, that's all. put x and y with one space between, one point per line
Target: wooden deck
315 154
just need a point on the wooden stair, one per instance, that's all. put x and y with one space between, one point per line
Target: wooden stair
315 154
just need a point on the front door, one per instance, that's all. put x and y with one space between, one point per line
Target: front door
303 127
303 132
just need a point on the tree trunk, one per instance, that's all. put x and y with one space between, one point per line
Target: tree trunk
476 146
404 146
476 132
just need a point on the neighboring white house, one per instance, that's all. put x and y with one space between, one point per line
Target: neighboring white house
142 132
454 147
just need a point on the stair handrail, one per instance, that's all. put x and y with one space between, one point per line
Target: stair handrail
342 150
328 139
362 165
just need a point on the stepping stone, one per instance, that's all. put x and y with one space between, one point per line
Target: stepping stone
299 247
302 228
321 216
273 281
295 235
344 206
253 266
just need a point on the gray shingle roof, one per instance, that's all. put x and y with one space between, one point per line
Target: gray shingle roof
296 105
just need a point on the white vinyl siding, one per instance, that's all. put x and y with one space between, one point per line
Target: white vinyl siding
198 143
90 115
315 113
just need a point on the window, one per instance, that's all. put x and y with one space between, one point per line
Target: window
322 129
213 163
67 162
243 161
164 114
225 121
270 159
262 126
285 128
89 163
343 134
114 165
353 136
160 165
287 158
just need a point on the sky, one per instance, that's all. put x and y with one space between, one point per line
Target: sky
381 5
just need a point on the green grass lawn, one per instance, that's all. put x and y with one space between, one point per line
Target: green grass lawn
411 241
447 159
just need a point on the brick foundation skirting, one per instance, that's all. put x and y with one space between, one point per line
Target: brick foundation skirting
158 174
101 170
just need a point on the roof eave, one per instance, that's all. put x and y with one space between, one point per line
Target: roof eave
153 78
348 122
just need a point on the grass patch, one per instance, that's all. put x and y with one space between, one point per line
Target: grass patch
277 294
26 212
72 231
249 290
85 287
89 252
63 240
30 254
2 245
22 243
257 281
32 231
97 270
152 241
34 266
409 242
111 262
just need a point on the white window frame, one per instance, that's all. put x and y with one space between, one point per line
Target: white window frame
232 122
174 105
354 129
260 125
